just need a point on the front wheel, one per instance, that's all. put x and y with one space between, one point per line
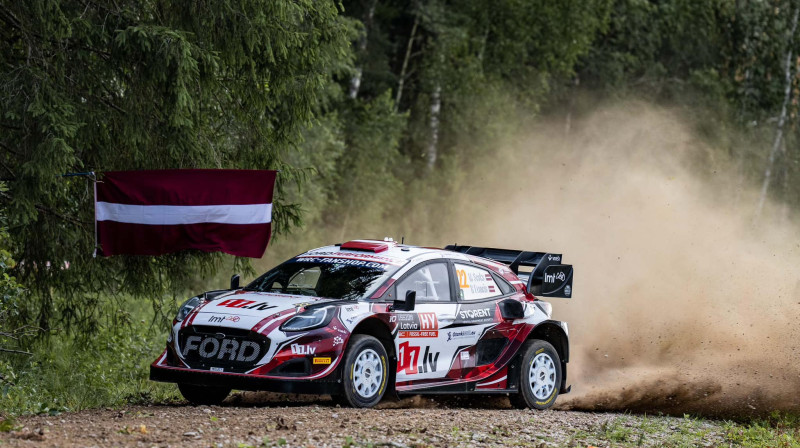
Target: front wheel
540 376
203 395
366 372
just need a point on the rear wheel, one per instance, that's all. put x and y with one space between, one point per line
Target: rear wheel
540 376
203 395
366 372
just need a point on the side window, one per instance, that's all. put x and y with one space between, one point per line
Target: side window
431 282
476 283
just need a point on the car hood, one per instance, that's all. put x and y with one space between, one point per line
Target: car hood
245 309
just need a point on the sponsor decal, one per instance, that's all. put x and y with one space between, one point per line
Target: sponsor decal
461 334
338 341
419 325
298 349
351 309
475 283
246 304
410 362
553 257
324 361
567 290
216 369
475 314
551 278
392 319
464 356
339 330
220 319
419 334
225 348
344 261
337 257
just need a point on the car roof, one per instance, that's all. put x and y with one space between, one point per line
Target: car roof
401 255
381 251
394 253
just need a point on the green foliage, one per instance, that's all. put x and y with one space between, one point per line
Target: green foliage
721 62
146 85
7 424
68 373
261 84
779 430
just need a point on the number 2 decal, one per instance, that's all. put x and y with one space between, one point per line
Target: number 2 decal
462 278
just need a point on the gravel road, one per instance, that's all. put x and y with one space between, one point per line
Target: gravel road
254 420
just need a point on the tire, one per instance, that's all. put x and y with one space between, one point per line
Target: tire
203 395
539 376
365 372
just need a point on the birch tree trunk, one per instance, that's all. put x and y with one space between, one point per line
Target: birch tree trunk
404 68
355 81
436 108
787 94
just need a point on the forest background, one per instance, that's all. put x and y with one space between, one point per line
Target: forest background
376 112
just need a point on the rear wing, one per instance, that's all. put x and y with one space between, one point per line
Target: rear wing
547 278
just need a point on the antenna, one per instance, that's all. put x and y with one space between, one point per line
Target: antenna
403 239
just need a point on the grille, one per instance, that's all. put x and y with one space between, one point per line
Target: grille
229 349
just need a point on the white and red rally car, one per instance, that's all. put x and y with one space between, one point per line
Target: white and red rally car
365 317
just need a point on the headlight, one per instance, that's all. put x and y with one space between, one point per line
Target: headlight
187 307
315 318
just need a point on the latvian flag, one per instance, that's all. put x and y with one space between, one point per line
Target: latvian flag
158 212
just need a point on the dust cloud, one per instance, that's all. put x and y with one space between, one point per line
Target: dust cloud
683 302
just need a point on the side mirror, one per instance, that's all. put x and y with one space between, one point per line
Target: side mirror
511 309
408 304
235 281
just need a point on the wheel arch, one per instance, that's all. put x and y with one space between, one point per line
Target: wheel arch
376 328
553 332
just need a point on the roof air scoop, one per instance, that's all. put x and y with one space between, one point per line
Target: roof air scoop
367 246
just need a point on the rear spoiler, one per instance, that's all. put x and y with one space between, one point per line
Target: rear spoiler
549 278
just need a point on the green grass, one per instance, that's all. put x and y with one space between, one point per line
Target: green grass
779 430
67 373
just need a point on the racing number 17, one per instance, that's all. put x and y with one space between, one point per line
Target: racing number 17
407 361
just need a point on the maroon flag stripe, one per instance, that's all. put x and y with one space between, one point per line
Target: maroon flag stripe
187 187
159 212
242 240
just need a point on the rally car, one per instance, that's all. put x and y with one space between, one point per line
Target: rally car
365 318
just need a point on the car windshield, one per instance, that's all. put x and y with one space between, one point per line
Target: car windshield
334 278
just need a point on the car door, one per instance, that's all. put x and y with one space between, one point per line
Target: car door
423 351
479 329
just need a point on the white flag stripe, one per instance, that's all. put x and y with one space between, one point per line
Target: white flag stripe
184 214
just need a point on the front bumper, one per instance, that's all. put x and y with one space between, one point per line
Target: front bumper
331 384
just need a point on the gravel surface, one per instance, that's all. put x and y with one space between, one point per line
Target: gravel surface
253 421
